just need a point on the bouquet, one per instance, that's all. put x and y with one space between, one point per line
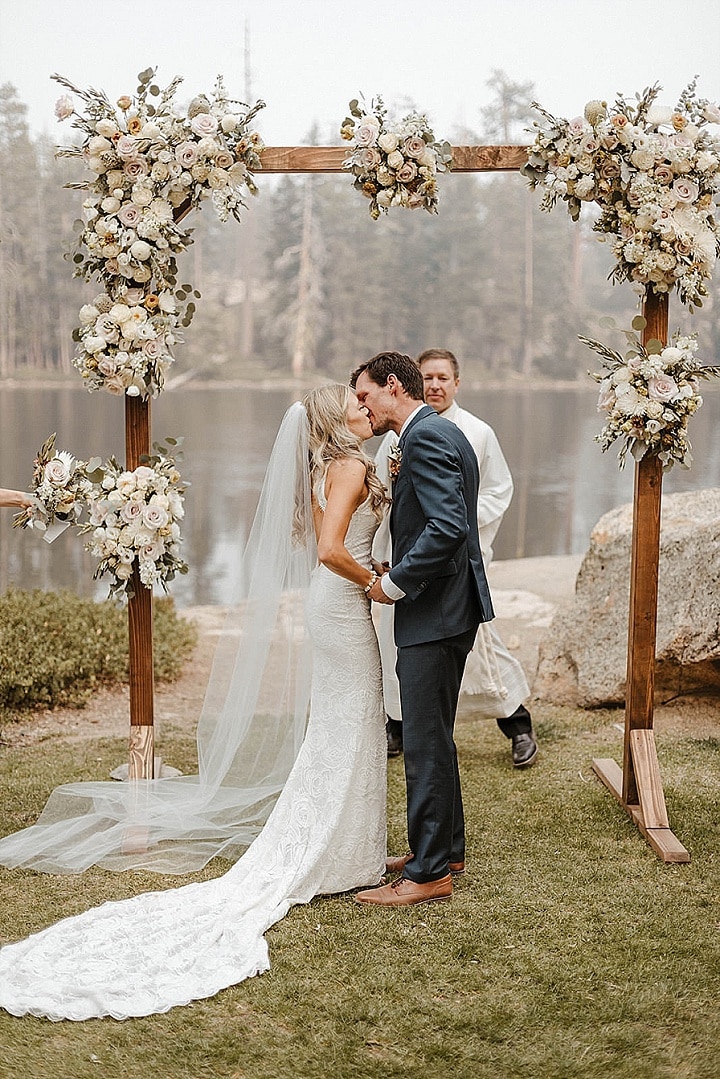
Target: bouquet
648 394
59 487
150 162
394 163
653 170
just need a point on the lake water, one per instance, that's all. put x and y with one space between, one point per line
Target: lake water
563 482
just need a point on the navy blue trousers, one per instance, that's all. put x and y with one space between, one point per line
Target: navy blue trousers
430 675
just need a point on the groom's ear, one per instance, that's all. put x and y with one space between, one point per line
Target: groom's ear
393 384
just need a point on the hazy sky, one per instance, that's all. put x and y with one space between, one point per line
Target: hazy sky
309 57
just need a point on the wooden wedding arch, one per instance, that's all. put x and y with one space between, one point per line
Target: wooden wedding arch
637 785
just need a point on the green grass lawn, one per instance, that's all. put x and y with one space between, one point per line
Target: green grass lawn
568 950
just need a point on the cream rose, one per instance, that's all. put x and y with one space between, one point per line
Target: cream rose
366 131
204 124
685 190
662 388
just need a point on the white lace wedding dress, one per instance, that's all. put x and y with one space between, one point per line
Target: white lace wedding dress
326 834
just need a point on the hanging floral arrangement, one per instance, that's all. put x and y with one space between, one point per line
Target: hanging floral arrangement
395 163
648 393
127 514
150 161
653 170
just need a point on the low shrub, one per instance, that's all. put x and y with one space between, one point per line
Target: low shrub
56 648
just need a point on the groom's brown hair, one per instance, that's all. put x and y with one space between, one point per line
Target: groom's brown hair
405 369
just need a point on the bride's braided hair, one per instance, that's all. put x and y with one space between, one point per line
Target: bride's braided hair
330 439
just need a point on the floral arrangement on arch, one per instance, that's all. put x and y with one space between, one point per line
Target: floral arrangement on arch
395 163
150 163
648 394
134 515
130 514
653 170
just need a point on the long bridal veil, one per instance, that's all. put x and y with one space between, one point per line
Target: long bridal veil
251 725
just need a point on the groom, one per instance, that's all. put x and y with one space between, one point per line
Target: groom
438 585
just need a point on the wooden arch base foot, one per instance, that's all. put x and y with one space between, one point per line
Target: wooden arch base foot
650 813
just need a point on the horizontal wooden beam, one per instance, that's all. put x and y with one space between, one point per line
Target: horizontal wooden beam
330 158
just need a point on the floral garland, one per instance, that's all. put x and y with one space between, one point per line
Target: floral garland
130 514
654 171
648 395
150 163
394 164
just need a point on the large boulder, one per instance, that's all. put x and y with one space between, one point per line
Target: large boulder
583 656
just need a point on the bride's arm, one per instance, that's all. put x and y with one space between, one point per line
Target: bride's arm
345 489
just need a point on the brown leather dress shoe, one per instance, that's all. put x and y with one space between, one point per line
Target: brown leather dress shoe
405 893
396 865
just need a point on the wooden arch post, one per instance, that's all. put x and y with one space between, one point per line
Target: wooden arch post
638 787
141 746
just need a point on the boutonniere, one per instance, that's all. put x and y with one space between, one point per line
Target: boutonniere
394 461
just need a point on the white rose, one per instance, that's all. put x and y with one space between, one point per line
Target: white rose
107 367
711 112
229 123
685 190
388 142
366 131
662 388
395 159
57 471
92 343
126 147
204 124
140 250
123 572
384 198
155 516
120 312
88 314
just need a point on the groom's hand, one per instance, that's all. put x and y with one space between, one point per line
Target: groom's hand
376 593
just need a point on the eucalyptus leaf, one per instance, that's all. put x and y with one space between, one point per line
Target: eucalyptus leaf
639 322
654 347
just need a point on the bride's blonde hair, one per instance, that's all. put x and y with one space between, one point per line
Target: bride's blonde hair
330 439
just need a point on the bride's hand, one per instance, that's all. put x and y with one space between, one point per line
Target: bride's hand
380 567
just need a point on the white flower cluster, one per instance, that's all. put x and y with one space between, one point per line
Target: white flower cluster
130 514
150 164
648 395
59 487
394 164
134 515
654 171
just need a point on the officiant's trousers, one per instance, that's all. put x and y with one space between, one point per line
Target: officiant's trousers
430 675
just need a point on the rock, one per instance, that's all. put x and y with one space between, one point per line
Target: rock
583 656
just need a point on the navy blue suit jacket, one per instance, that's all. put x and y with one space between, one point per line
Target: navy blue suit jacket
437 560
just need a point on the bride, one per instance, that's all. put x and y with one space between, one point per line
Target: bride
325 833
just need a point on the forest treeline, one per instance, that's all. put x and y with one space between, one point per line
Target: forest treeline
307 282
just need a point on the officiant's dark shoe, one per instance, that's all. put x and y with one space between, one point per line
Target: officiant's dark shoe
524 750
393 730
405 893
396 865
